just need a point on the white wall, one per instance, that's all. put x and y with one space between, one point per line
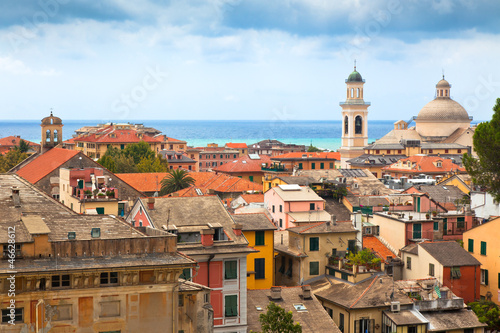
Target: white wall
483 204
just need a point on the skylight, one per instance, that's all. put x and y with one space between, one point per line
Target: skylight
300 307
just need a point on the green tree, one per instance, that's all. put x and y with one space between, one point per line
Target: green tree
151 165
125 164
11 159
108 162
175 181
277 320
363 257
313 149
487 312
23 146
485 170
138 151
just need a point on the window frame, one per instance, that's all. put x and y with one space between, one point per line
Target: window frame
57 281
483 248
6 315
431 269
313 268
234 311
107 278
313 244
470 245
408 263
260 274
260 238
228 274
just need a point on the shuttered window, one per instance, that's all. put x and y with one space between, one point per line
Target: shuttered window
231 305
471 245
230 269
483 248
314 268
259 238
260 268
314 244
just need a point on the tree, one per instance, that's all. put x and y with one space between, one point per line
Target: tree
277 320
23 146
175 181
487 312
313 149
11 159
485 170
138 151
108 162
125 164
151 165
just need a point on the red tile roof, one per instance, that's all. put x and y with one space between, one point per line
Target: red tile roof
373 243
111 135
424 164
151 182
14 141
315 155
44 164
253 198
236 145
244 164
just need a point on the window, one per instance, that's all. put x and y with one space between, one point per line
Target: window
358 125
470 247
346 125
300 166
313 243
281 208
314 268
446 151
460 222
412 329
311 206
230 269
408 262
431 269
273 208
181 300
231 305
249 177
483 248
281 223
329 311
64 312
331 165
459 151
364 326
455 273
60 281
18 315
313 166
186 274
498 281
290 265
260 238
484 277
399 151
430 151
341 322
436 226
322 165
260 268
109 278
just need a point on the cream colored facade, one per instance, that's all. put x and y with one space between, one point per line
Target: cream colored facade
391 230
419 266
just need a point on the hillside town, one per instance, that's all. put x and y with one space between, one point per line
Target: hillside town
124 229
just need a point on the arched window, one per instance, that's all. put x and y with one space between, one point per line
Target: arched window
47 136
352 92
358 95
346 125
358 125
55 135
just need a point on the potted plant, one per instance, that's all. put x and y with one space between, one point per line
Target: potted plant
410 217
434 213
100 195
427 216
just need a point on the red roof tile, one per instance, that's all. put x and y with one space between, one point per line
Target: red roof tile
244 164
236 145
45 164
14 141
424 164
111 135
373 243
253 198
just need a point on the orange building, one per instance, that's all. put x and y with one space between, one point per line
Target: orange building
11 142
434 166
249 167
308 160
241 147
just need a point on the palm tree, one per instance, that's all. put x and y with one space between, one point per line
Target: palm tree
175 180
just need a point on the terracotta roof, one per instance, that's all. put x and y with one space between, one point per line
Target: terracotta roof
111 135
144 182
249 198
313 319
373 243
244 164
425 164
43 164
14 141
315 155
70 141
236 145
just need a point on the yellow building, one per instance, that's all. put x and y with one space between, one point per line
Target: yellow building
462 181
303 251
482 242
274 181
259 231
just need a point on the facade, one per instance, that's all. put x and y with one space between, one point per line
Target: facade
83 273
303 251
11 142
178 160
270 181
213 156
249 167
307 161
274 147
207 233
417 165
448 262
259 231
304 306
51 132
294 205
354 119
482 243
240 147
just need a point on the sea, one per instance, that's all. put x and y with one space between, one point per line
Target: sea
198 133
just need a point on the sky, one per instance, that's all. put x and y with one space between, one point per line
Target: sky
120 60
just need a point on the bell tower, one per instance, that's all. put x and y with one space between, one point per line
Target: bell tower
354 119
51 132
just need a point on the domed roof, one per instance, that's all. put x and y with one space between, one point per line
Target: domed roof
443 84
355 77
51 120
443 109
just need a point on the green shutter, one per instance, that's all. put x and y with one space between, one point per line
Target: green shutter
483 248
250 178
80 183
436 226
231 305
230 269
313 166
100 210
314 268
322 165
300 166
313 244
486 277
259 237
186 274
471 245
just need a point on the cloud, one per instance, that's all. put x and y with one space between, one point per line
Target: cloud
13 66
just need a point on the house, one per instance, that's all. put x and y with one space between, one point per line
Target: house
44 171
304 251
448 197
274 147
434 166
259 231
244 200
462 181
484 205
241 147
11 142
213 156
207 233
448 262
248 167
178 160
482 243
308 160
79 272
300 301
273 181
358 307
293 205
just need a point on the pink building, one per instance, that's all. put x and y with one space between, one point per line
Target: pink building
294 205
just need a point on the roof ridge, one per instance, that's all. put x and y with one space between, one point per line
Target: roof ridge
364 292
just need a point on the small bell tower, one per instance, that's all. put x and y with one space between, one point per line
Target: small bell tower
51 132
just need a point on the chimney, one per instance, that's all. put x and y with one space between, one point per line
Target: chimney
237 229
151 203
207 237
306 292
15 196
275 293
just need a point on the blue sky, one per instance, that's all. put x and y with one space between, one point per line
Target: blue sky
254 59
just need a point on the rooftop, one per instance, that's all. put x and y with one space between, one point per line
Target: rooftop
295 194
449 253
256 221
244 164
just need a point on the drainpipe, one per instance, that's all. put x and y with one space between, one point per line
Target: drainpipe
208 269
40 301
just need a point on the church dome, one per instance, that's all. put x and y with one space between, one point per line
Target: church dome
443 84
355 77
51 120
443 109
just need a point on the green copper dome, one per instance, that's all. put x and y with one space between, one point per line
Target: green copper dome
355 77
